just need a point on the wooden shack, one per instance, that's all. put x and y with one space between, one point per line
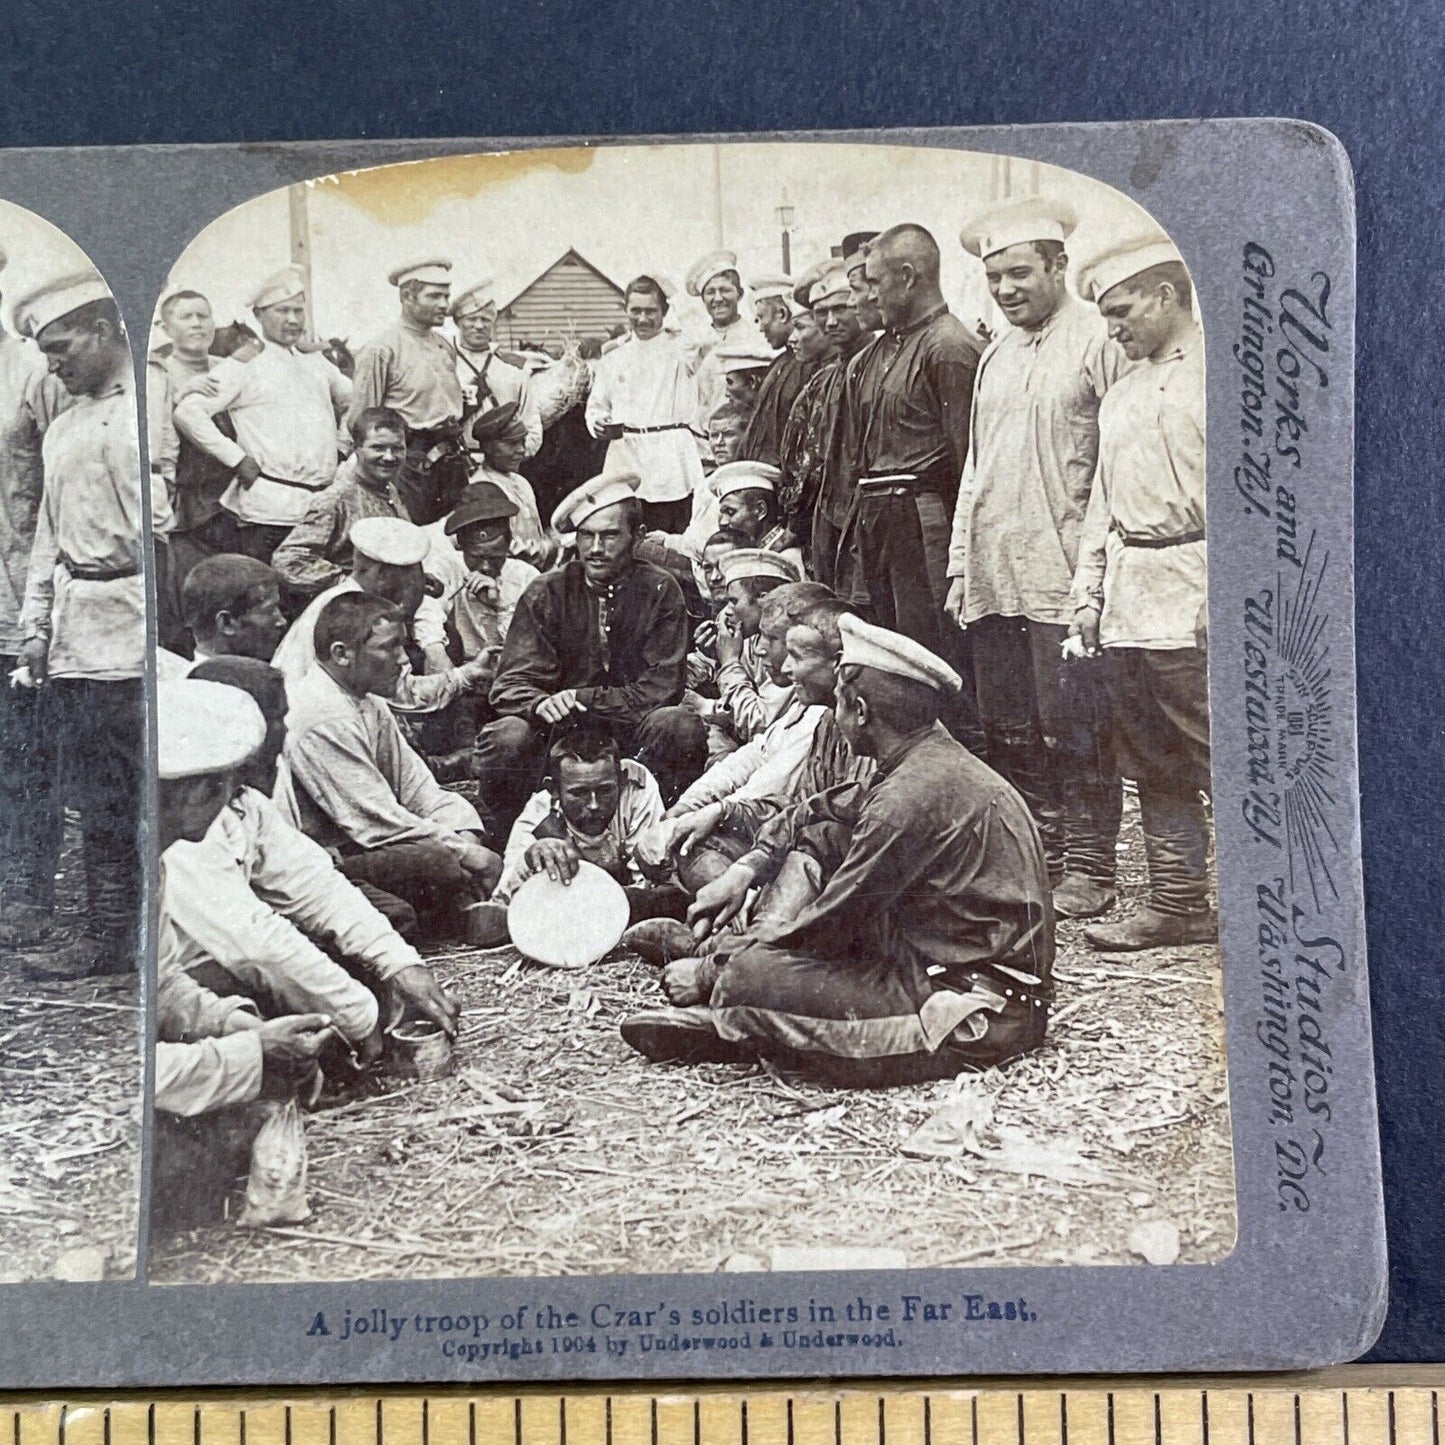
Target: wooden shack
570 299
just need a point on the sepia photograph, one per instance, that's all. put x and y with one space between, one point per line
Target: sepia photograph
72 765
683 733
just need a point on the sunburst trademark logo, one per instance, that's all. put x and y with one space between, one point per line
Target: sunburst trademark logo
1289 712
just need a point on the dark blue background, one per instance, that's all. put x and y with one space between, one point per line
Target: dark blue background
112 72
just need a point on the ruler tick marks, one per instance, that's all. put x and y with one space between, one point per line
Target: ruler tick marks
1019 1403
517 1422
1110 1417
927 1420
63 1410
1345 1415
652 1412
608 1420
562 1420
696 1424
286 1424
1204 1414
425 1423
331 1426
1296 1419
1390 1415
378 1425
471 1423
882 1423
837 1422
1434 1418
196 1426
789 1414
1064 1419
973 1417
743 1437
1249 1416
1158 1421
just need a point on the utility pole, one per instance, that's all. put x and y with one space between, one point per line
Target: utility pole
301 244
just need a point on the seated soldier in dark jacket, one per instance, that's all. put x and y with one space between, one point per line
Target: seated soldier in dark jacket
925 947
604 635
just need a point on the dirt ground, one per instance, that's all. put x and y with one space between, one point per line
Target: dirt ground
70 1116
553 1149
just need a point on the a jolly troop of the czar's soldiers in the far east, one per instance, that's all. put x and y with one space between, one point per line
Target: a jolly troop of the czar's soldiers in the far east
834 634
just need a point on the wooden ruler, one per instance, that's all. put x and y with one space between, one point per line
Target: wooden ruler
1355 1405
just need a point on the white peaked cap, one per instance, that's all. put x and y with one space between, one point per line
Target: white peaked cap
1012 223
745 476
865 645
282 285
433 270
744 562
390 540
744 355
205 727
773 287
604 491
56 298
703 270
475 297
833 282
1122 261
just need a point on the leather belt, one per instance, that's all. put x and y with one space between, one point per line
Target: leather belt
892 484
644 431
1157 543
83 573
300 486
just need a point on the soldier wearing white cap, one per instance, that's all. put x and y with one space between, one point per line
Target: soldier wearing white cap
490 377
603 635
804 451
927 949
1140 587
246 902
715 280
387 561
1033 445
350 780
644 403
214 1055
828 441
750 699
747 502
411 368
316 552
284 407
83 620
30 399
774 311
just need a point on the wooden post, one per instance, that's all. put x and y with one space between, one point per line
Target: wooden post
301 245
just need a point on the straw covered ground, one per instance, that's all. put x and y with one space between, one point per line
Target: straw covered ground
553 1149
70 1115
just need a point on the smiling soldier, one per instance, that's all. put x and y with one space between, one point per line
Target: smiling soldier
284 405
1033 444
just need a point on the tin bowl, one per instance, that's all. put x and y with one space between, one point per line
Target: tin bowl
418 1049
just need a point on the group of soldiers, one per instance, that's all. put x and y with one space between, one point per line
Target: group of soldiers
837 664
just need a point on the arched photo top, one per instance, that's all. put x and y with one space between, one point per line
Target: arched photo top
788 352
72 656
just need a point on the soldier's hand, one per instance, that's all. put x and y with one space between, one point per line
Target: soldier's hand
552 710
555 857
690 829
481 863
35 659
953 604
482 585
720 901
1086 628
294 1039
247 470
416 989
